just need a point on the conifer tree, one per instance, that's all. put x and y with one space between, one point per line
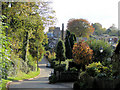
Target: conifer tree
68 52
69 42
60 51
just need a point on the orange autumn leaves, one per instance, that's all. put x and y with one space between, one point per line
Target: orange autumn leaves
80 27
82 54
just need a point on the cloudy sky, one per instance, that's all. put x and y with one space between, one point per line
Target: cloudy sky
102 11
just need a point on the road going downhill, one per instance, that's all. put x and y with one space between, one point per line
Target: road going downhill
41 82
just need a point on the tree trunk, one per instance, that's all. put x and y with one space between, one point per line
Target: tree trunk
37 57
83 67
27 46
78 74
59 62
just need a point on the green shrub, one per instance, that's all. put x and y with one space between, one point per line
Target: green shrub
48 54
80 85
25 67
52 63
92 71
95 45
68 76
98 70
76 86
51 58
17 65
102 75
53 78
93 68
73 69
53 55
59 68
60 51
31 63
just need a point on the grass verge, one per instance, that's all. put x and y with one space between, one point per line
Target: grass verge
19 76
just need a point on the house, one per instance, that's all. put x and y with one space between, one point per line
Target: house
110 39
57 32
53 36
113 40
50 34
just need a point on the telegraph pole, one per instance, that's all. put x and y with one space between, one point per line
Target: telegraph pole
118 19
62 31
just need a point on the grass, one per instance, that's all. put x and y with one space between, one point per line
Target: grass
20 76
4 82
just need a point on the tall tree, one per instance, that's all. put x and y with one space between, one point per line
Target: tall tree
68 48
112 31
27 21
60 51
69 42
72 40
80 27
99 30
82 55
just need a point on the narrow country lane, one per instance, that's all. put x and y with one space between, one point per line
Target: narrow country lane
41 82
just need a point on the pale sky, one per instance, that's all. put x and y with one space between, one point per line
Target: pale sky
102 11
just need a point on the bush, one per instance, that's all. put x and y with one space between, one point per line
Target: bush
59 67
98 70
73 64
53 55
68 76
82 54
80 85
73 69
48 54
76 86
17 65
52 63
95 45
31 63
53 78
92 71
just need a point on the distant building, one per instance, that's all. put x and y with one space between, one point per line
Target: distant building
53 36
50 34
110 39
113 40
57 32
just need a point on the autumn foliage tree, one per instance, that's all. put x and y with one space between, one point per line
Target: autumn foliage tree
80 27
82 54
